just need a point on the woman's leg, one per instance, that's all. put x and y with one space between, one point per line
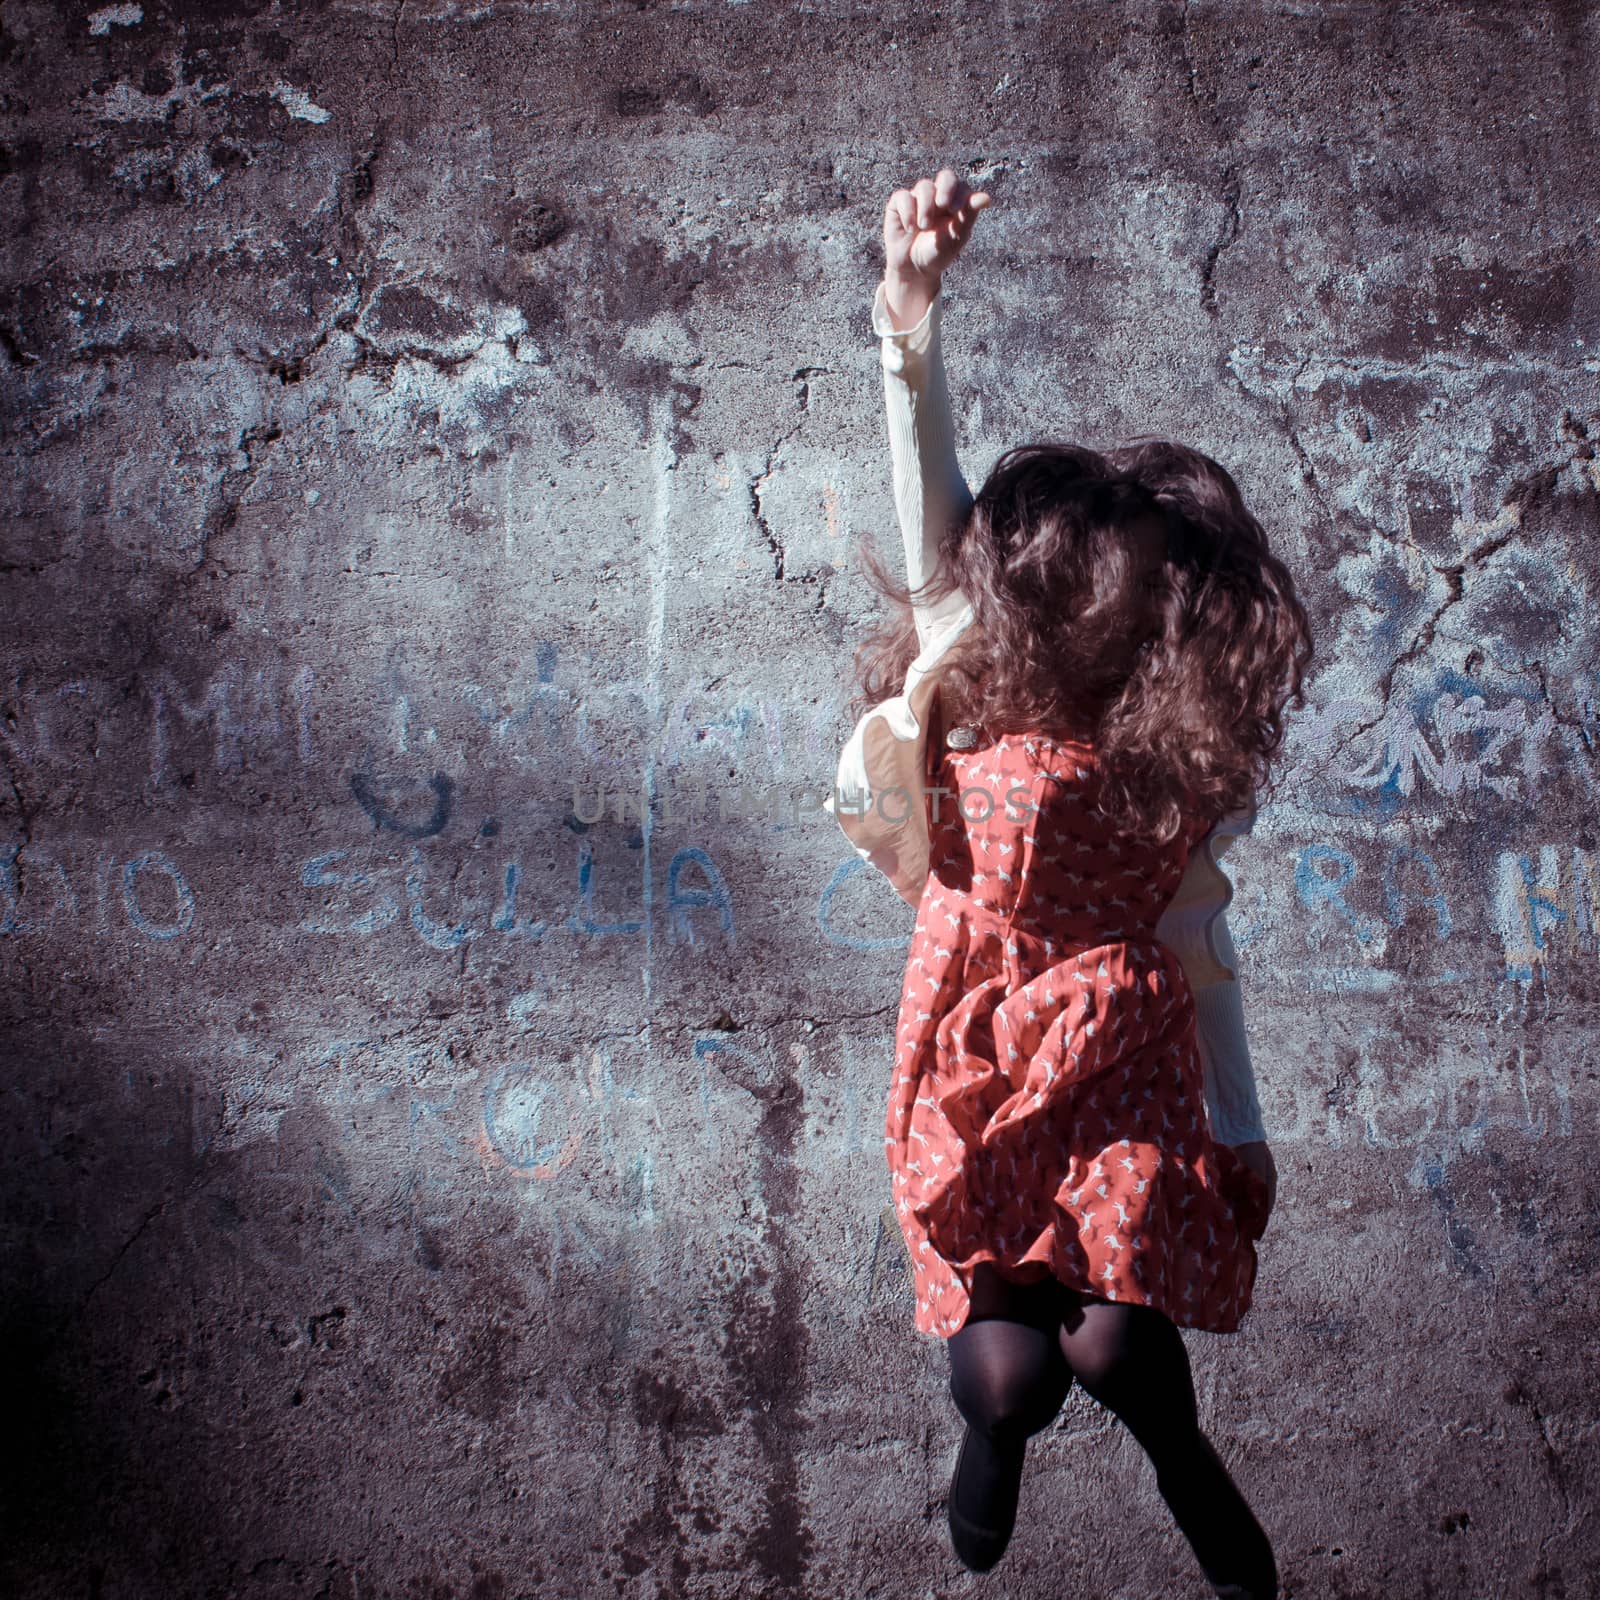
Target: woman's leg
1131 1358
1008 1378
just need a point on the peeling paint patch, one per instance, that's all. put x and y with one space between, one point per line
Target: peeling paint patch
109 17
298 103
122 102
1508 518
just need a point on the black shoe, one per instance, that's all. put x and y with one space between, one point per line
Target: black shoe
979 1545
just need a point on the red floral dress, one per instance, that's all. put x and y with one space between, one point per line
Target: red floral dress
1048 1110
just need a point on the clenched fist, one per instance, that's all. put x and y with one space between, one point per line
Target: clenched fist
925 228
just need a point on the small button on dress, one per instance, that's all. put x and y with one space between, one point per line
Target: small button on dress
1048 1112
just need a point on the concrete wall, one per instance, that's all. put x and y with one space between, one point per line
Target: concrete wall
421 416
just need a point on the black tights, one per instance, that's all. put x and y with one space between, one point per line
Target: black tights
1012 1365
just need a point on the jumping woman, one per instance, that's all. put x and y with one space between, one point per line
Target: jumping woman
1091 659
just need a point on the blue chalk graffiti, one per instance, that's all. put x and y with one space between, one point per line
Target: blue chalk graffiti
1394 905
11 920
156 861
846 870
361 786
554 702
1317 890
1524 905
505 918
582 919
680 900
322 872
755 1073
513 1106
434 934
316 875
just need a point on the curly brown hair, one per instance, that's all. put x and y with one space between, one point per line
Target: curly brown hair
1126 598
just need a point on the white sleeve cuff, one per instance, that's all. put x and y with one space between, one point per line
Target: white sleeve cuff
898 343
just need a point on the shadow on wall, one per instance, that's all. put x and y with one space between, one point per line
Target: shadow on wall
216 1374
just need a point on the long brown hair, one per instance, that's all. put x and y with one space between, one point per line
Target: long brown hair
1178 673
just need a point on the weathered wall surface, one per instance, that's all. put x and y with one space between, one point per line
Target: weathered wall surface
419 416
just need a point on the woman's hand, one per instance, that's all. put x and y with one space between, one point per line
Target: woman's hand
1257 1155
925 228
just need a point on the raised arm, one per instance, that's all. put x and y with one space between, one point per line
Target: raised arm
881 773
925 228
930 492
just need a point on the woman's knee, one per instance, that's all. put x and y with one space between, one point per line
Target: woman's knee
1014 1407
1008 1382
1111 1347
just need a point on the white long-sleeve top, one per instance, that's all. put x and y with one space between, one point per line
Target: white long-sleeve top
887 750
